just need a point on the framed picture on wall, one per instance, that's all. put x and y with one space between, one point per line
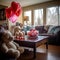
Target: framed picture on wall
2 15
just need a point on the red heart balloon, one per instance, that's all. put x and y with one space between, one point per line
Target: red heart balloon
14 5
16 8
13 12
18 12
9 12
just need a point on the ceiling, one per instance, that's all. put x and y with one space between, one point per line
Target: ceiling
22 2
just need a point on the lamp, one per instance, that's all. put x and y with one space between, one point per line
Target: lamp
26 18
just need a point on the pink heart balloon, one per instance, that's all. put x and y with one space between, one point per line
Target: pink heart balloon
13 18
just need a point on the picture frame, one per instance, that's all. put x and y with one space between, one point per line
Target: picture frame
2 14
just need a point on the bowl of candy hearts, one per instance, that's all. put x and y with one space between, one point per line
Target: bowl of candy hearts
32 34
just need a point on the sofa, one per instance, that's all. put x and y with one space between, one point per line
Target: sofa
52 31
55 38
41 29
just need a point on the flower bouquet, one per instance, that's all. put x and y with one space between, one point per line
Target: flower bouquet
32 34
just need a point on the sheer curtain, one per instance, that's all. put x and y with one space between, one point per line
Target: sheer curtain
38 17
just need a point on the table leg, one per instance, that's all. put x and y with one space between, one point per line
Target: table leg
46 45
34 51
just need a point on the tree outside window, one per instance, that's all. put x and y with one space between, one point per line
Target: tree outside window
52 16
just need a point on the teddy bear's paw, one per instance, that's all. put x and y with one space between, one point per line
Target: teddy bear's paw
16 53
21 49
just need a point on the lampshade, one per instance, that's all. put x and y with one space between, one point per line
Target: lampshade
26 18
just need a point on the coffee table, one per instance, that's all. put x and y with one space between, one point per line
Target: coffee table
33 43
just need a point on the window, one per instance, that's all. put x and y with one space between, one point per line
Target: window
28 22
38 17
52 16
44 13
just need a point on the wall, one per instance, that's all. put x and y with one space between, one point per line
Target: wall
5 21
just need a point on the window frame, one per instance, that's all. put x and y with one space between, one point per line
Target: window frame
43 5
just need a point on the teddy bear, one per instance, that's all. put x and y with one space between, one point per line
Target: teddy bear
8 46
18 32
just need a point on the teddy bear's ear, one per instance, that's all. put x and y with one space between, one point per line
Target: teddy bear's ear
9 35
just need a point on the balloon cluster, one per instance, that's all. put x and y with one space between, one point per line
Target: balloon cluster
32 33
13 12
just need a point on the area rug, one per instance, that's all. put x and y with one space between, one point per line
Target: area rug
29 56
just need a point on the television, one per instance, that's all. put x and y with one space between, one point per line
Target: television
2 14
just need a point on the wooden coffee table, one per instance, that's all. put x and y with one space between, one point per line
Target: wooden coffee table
33 43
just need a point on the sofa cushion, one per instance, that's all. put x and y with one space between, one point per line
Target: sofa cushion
57 29
40 29
26 28
54 29
51 29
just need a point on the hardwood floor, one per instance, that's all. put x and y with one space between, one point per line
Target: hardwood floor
53 53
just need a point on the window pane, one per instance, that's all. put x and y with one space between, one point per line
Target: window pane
38 17
52 16
28 13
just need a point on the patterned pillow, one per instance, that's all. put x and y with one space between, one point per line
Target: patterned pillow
57 30
51 29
